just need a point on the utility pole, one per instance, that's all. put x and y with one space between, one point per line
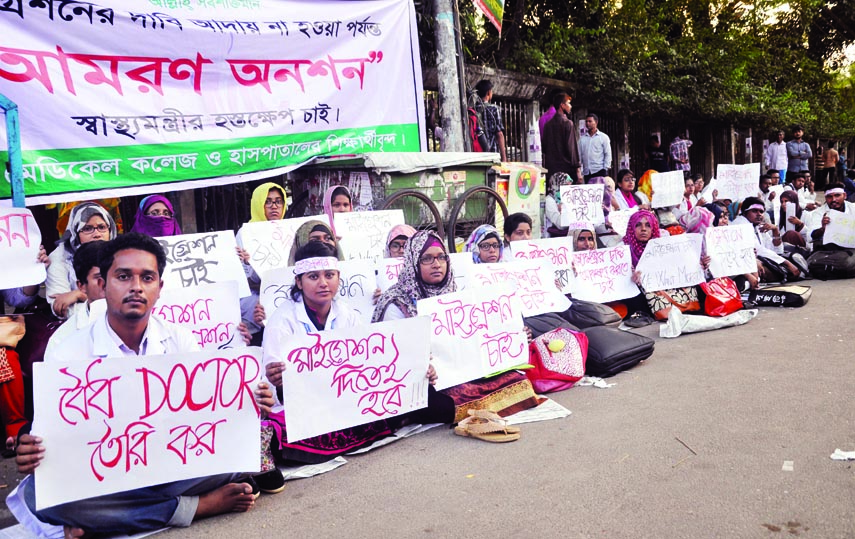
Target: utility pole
447 75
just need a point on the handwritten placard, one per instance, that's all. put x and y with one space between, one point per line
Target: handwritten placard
619 220
555 250
841 230
19 249
111 425
533 282
474 333
668 188
736 182
363 234
196 259
671 262
211 312
388 270
269 243
603 274
357 283
731 250
582 204
351 376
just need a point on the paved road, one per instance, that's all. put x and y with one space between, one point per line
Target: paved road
744 399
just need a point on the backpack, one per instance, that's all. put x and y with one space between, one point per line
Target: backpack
560 369
476 131
837 264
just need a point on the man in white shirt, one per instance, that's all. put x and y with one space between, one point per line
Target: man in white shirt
776 155
131 269
835 200
768 244
806 199
595 150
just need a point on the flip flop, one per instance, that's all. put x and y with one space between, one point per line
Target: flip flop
487 426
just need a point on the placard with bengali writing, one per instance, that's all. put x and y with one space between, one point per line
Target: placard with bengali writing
581 205
603 274
671 262
20 238
211 312
731 250
198 259
269 243
363 234
555 250
841 230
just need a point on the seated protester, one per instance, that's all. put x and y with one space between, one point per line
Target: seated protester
721 217
687 204
848 184
156 218
552 208
337 199
766 195
642 227
88 222
427 273
799 236
807 200
835 200
517 227
486 245
397 240
626 195
131 270
313 307
697 197
769 245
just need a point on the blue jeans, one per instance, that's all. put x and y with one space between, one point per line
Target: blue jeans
142 509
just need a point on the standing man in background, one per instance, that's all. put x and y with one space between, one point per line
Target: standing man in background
829 163
679 151
493 127
798 153
595 150
776 155
561 141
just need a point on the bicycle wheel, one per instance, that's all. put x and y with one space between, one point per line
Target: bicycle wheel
479 205
419 210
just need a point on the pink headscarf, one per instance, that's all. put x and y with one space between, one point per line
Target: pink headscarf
399 230
636 248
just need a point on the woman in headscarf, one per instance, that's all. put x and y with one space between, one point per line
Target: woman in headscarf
310 231
337 199
485 244
721 217
268 203
397 240
156 218
426 273
87 222
552 209
797 233
642 227
584 239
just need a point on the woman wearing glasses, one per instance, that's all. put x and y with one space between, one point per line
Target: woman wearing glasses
156 218
88 222
485 244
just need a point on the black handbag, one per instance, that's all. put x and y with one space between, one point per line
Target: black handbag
792 295
585 314
611 350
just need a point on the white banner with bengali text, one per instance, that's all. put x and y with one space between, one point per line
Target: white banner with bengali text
668 188
363 234
582 205
269 243
533 283
841 230
555 250
604 274
736 182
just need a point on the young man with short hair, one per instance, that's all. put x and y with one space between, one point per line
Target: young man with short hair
492 117
595 150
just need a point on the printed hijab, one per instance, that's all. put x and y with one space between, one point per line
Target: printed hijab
556 181
410 288
259 195
480 234
156 226
78 218
636 248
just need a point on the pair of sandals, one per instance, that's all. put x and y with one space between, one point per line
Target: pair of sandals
487 426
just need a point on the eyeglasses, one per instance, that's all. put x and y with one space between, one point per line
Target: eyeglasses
427 260
397 245
159 213
489 246
89 229
274 202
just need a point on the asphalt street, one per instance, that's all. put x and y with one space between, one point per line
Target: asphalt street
719 434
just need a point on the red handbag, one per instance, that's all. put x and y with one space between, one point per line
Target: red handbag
722 297
559 369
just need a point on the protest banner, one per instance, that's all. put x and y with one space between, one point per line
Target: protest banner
351 376
20 238
671 262
194 259
363 234
668 188
474 333
603 274
269 243
736 182
147 97
582 204
731 250
555 250
524 192
357 283
117 424
387 272
533 282
840 231
211 312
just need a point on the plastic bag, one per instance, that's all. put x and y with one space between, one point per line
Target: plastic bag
679 323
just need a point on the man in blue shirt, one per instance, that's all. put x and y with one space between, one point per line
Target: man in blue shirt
798 153
595 150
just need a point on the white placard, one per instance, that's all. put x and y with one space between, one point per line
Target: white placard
604 274
619 219
211 312
555 250
208 258
671 262
668 188
776 203
533 283
269 243
790 212
840 230
20 238
731 250
474 333
388 270
363 234
462 264
111 425
351 376
707 193
736 182
582 204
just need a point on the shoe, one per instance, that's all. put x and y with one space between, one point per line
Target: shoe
639 320
272 482
488 426
256 491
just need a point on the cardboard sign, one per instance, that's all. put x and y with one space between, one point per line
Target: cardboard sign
474 333
111 425
604 274
841 230
351 376
20 238
582 204
533 283
731 250
363 234
269 243
736 182
197 259
668 188
211 312
555 250
671 262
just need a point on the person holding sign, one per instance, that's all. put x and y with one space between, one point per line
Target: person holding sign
835 200
156 218
769 245
131 269
337 199
427 273
486 245
552 209
88 222
791 215
626 195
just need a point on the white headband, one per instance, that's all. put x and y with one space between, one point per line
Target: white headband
756 207
835 191
315 264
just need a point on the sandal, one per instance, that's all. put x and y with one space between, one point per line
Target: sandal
488 426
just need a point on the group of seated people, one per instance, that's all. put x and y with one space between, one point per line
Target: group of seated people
104 285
